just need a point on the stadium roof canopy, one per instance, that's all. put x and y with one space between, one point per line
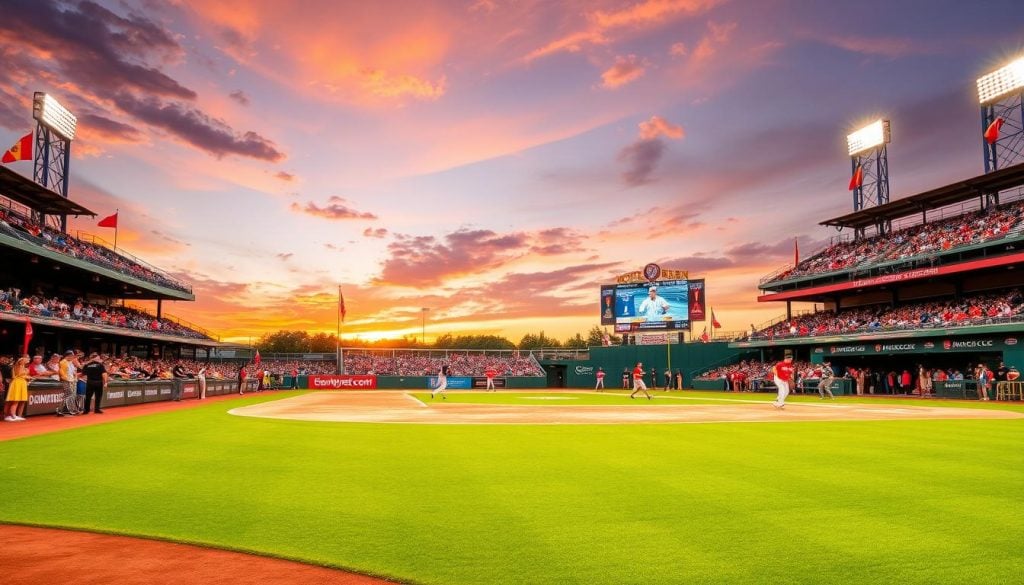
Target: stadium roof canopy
993 182
34 196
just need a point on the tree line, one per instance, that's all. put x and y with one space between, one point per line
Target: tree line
303 342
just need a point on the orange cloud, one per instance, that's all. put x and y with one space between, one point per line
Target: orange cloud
717 35
625 70
371 57
601 24
658 126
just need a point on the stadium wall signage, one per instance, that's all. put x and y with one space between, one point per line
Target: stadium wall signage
454 382
652 273
946 345
481 382
343 382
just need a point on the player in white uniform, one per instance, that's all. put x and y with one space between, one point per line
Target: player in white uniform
442 383
653 307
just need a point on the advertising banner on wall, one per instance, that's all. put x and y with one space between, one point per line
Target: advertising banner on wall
344 382
454 382
481 382
697 300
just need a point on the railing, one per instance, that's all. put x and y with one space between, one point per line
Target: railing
24 214
975 322
559 353
962 208
98 241
173 319
59 321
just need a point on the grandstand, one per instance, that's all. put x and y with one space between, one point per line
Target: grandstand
941 294
75 291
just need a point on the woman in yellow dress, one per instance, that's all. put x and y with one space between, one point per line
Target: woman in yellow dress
17 393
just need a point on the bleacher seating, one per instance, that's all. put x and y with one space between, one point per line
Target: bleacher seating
916 241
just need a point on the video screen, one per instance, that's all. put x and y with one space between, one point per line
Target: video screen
655 306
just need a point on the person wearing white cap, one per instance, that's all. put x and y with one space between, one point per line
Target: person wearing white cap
653 307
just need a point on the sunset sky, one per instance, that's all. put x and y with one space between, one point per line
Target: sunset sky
493 160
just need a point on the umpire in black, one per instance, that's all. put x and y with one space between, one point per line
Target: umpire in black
96 380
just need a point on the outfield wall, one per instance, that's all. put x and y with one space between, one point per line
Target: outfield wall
686 357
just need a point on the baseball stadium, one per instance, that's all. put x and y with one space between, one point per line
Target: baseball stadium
871 431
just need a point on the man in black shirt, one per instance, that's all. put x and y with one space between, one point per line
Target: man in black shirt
96 380
1001 372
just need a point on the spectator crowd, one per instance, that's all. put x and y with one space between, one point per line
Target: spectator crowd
920 240
978 309
425 363
12 301
17 225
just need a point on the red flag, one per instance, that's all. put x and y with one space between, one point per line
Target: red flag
857 179
22 150
714 322
341 304
991 133
109 222
704 336
28 336
257 359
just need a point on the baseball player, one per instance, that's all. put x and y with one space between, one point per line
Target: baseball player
490 373
442 382
600 379
638 381
782 373
825 385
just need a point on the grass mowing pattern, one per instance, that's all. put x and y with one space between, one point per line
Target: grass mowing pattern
893 501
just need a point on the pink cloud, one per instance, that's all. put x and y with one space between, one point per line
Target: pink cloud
601 25
643 155
658 126
336 209
625 70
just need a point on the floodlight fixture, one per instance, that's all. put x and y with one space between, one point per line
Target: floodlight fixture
50 113
874 134
1001 82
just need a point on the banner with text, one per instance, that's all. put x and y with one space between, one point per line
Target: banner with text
342 382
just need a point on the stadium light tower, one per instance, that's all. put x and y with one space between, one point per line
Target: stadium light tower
1002 115
869 164
55 129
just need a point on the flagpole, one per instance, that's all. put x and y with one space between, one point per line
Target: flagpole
337 335
117 224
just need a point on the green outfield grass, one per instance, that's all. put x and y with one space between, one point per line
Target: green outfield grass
618 397
924 501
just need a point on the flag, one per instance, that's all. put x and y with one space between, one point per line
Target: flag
796 253
257 359
714 322
857 179
704 336
22 150
109 222
341 305
28 336
991 133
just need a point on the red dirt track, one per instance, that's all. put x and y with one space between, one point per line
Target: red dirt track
47 423
38 556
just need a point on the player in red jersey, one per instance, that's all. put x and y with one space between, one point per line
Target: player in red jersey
782 373
490 373
600 379
638 381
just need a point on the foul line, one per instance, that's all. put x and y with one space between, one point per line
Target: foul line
416 400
